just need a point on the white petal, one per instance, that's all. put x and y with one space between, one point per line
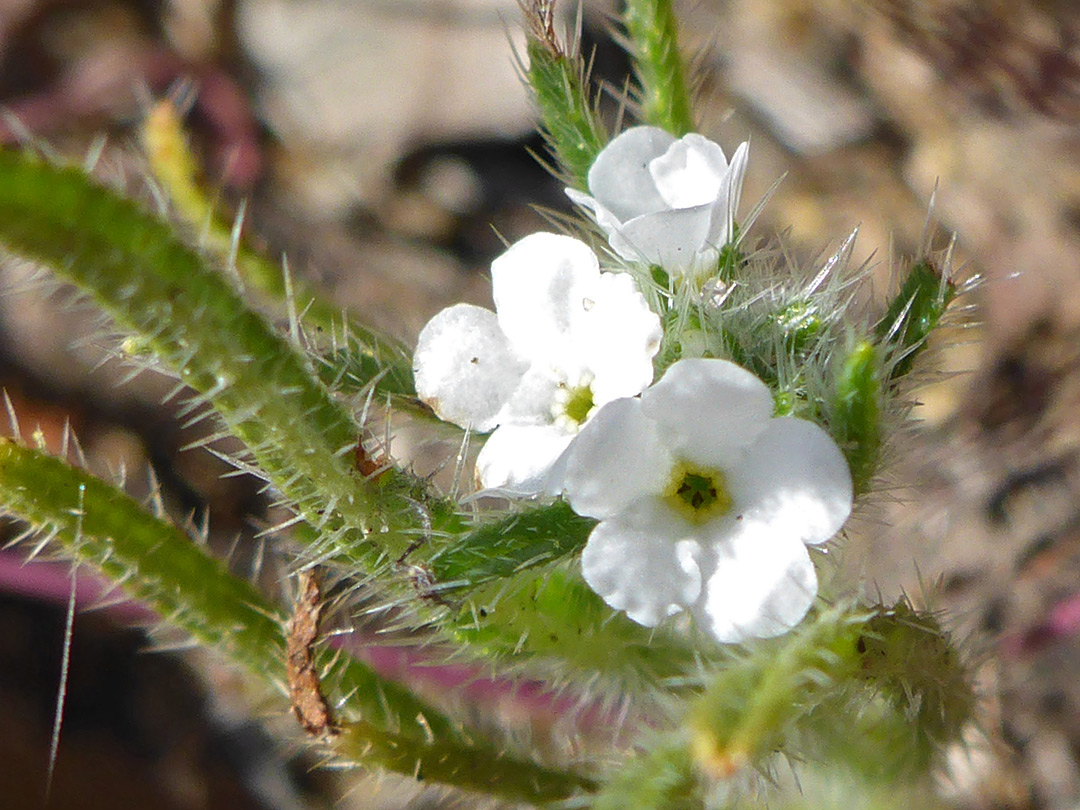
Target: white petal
532 401
518 460
795 480
604 218
727 201
677 240
619 178
756 585
641 562
690 173
615 337
464 368
709 410
536 283
609 223
616 460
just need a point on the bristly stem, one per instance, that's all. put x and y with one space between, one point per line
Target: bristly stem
483 768
385 724
654 48
160 565
162 291
370 356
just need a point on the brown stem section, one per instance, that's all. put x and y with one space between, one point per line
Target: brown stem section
305 690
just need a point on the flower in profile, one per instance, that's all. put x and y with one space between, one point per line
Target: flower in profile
665 201
706 502
564 340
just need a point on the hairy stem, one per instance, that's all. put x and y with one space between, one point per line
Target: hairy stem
654 47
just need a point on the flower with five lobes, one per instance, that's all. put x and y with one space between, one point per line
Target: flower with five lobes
665 201
706 502
564 340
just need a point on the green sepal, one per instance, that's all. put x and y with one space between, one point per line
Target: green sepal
352 364
654 48
879 690
750 708
800 324
913 314
731 258
913 662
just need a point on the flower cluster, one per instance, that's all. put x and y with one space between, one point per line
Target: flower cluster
706 502
564 340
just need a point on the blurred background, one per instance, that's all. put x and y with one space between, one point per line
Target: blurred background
383 145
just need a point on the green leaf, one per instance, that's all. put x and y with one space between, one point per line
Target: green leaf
550 613
505 547
153 561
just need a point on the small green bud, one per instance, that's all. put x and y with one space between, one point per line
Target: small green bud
855 418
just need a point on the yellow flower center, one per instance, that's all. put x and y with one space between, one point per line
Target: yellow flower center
579 403
697 493
574 404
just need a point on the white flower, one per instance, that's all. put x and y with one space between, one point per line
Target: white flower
665 201
706 502
564 340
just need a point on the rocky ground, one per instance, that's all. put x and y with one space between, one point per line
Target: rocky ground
382 145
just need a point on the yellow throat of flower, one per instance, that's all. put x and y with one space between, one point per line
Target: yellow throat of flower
698 493
574 404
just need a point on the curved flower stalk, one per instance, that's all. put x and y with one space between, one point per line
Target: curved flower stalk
564 340
706 502
666 201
